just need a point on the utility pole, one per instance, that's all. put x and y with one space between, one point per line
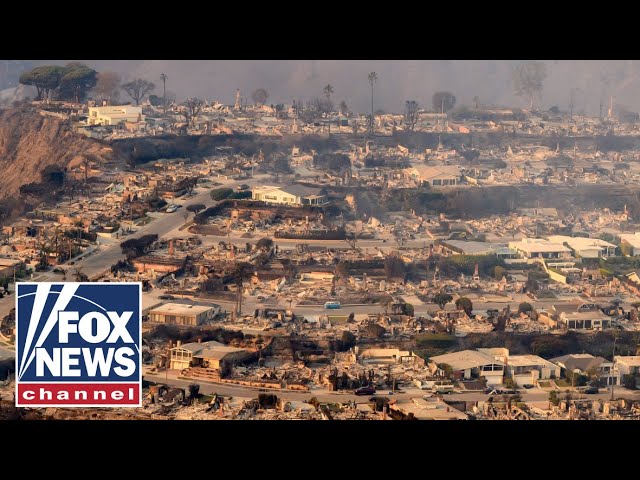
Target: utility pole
600 115
572 101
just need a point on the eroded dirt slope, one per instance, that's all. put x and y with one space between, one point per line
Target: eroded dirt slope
29 142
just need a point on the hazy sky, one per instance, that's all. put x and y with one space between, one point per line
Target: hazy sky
398 80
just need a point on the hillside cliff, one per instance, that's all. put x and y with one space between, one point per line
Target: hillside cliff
30 142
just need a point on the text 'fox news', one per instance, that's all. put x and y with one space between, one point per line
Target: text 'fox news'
78 344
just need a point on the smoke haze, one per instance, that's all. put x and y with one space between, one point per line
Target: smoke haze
398 80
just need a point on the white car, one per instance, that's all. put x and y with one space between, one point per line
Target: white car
171 209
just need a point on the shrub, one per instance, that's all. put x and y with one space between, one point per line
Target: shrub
525 307
220 193
240 195
463 303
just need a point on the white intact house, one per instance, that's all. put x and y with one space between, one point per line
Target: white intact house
585 247
484 362
435 176
114 115
527 369
540 248
289 195
628 365
631 241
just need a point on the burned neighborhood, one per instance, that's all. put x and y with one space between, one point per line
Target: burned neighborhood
444 258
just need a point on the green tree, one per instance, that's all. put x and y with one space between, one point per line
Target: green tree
525 307
220 193
499 272
264 244
629 381
446 369
553 398
576 379
195 207
441 299
394 267
76 82
463 303
156 101
45 78
408 309
510 383
348 340
194 390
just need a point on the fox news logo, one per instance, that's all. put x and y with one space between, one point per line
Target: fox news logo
78 344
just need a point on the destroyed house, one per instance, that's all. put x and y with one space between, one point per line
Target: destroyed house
8 266
387 356
161 264
289 195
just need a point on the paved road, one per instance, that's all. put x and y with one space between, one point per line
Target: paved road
534 395
250 392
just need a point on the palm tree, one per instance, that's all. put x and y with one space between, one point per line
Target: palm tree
328 90
164 77
373 78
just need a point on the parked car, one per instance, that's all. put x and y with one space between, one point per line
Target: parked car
527 386
591 390
171 209
365 391
166 297
332 305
